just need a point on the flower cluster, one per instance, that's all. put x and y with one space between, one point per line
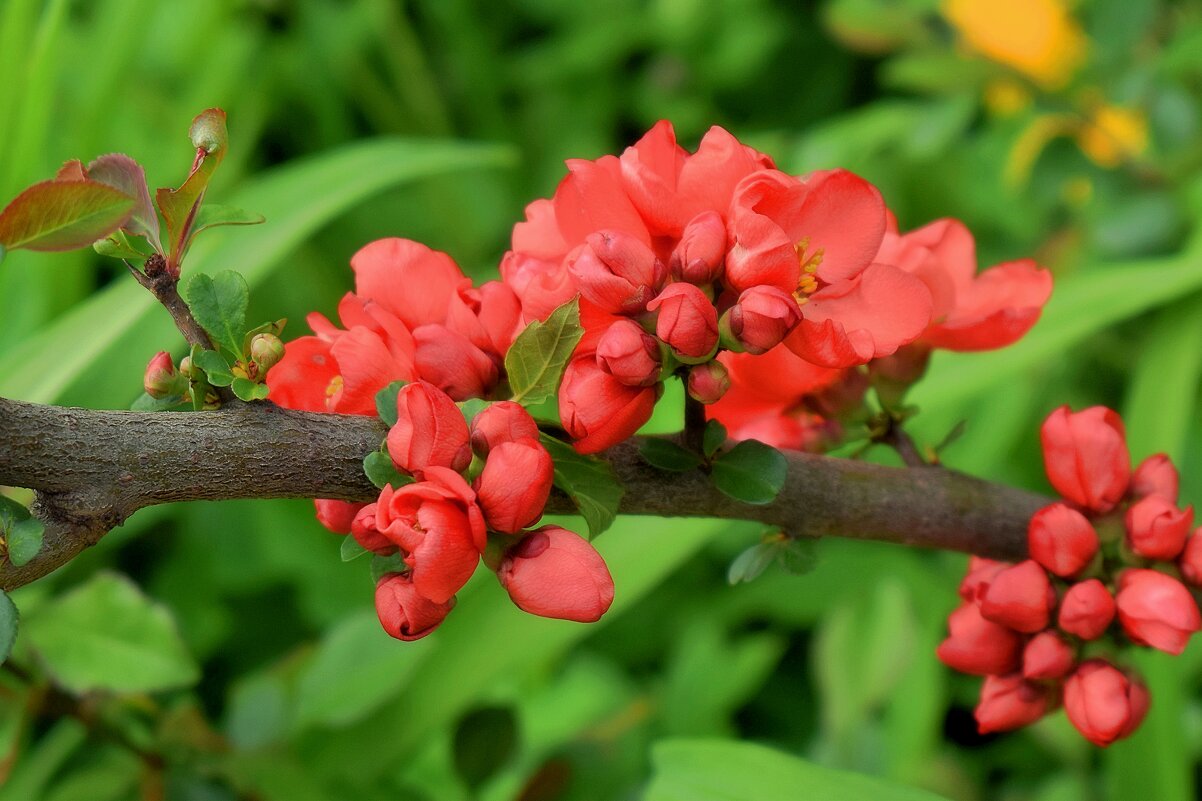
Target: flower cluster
718 267
1105 568
440 526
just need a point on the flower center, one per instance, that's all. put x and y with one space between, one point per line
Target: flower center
809 261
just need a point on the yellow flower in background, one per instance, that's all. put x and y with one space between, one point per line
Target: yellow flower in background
1036 37
1112 135
1005 97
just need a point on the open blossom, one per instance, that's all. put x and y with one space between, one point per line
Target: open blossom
556 573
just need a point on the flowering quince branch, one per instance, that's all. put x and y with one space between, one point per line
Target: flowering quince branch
793 309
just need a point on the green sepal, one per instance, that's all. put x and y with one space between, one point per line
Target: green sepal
381 566
748 565
351 549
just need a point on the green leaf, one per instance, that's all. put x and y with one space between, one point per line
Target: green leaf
181 206
589 481
386 402
127 176
383 565
536 360
380 470
215 366
798 556
219 304
63 215
9 621
248 390
199 382
212 215
107 635
485 739
724 770
145 403
748 565
118 245
25 540
751 472
667 455
713 438
351 549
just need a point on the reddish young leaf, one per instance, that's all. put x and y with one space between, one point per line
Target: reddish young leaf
179 206
127 176
63 215
71 171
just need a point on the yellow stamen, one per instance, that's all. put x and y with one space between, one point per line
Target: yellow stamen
808 283
334 387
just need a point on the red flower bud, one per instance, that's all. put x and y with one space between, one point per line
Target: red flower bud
1190 561
1155 475
687 321
1086 609
1061 539
1086 457
762 318
708 382
979 646
599 411
1020 597
514 486
160 375
556 573
367 533
451 362
1009 702
699 255
505 421
402 610
336 515
1156 610
1103 703
630 354
1047 656
1156 528
429 432
616 272
980 572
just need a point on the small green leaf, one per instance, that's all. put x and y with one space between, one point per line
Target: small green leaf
383 565
667 455
380 471
589 481
211 216
248 390
752 562
219 304
118 245
536 360
472 407
713 438
798 556
215 366
485 739
198 384
386 402
25 540
751 472
145 403
63 215
11 513
351 549
9 620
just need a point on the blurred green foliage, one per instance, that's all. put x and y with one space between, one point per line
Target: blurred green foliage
1077 142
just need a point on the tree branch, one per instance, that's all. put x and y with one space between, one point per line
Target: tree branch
92 469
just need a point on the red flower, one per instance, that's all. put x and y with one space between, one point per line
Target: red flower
429 432
452 363
701 252
980 572
977 645
336 515
404 612
1062 540
1047 656
762 318
408 280
1019 597
630 354
1085 454
365 530
501 422
1155 475
687 321
1010 702
514 485
599 411
1156 528
1086 610
556 573
1103 703
1190 561
1156 610
617 272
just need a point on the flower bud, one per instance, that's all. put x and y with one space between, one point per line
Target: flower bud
761 319
979 646
556 573
185 366
980 572
1103 703
687 321
505 421
403 612
159 380
708 382
1086 457
1155 475
429 431
1156 610
1047 656
698 257
1061 539
1156 528
514 485
1009 702
630 354
266 350
367 533
1190 561
336 515
1020 598
451 362
599 411
1086 609
616 272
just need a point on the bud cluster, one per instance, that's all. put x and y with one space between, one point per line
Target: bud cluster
1105 569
